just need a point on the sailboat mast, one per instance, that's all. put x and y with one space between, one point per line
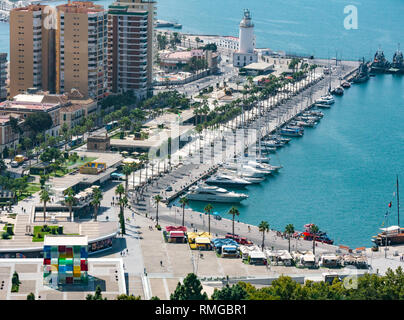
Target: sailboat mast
398 205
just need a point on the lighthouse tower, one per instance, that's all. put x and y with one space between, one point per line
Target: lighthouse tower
245 55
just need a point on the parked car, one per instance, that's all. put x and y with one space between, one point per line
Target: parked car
14 164
169 188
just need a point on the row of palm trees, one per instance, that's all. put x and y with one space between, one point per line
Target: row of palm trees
263 226
70 201
281 87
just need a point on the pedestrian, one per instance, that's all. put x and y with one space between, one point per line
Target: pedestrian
161 263
127 251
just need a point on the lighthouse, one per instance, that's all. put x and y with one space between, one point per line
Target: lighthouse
246 53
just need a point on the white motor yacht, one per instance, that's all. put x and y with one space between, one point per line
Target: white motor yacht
328 99
214 194
247 169
224 179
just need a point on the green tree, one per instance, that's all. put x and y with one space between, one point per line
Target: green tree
44 197
263 227
128 297
123 202
157 199
31 296
191 289
70 200
127 170
97 295
96 202
183 202
235 292
38 122
234 212
314 230
208 209
289 230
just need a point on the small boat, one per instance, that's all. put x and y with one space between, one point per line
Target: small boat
339 91
345 84
322 105
291 132
393 235
362 74
320 236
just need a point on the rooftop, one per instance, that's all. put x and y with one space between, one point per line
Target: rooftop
65 240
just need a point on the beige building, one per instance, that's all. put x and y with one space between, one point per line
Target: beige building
81 49
24 104
77 109
8 138
131 46
32 52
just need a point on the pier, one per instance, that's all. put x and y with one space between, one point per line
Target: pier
276 111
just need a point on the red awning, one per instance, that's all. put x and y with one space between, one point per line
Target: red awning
177 234
174 228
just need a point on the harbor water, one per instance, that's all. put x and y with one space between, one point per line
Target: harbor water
341 174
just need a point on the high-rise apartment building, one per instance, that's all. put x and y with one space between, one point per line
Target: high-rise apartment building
3 76
81 49
32 51
131 46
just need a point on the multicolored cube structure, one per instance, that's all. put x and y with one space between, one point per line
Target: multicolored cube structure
65 260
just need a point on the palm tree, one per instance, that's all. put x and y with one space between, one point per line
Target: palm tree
157 199
127 170
123 202
44 197
96 202
70 200
234 212
263 227
208 209
119 190
289 229
183 201
314 230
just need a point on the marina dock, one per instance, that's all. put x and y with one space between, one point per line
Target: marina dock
275 114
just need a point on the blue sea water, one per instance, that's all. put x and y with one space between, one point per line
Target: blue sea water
341 174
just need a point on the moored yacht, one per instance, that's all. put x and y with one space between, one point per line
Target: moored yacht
227 180
328 99
214 194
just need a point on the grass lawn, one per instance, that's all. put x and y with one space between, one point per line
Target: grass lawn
33 187
39 234
116 136
80 162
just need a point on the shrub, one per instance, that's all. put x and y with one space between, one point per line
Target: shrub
53 231
5 236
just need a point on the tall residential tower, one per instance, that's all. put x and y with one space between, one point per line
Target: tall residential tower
32 50
81 49
130 46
